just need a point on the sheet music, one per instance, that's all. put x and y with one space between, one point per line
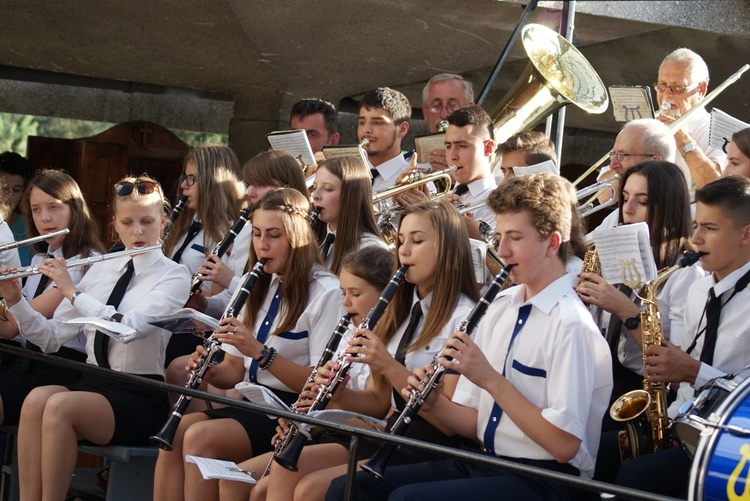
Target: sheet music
218 469
115 330
340 151
631 102
294 142
625 252
723 126
185 321
546 166
427 144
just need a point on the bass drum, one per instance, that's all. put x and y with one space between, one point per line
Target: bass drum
721 468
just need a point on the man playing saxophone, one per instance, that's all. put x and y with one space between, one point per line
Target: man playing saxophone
717 328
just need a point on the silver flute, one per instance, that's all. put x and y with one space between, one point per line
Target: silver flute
33 240
28 271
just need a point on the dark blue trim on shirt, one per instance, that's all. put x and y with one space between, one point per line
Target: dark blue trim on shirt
529 371
198 248
294 335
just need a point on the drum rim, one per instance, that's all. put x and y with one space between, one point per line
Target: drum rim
707 444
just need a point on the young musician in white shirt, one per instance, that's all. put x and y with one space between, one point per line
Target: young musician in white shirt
53 202
722 233
96 409
280 336
342 192
535 378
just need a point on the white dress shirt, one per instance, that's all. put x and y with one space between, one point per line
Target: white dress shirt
388 172
159 285
32 282
425 354
559 361
304 344
699 128
10 257
366 239
732 351
479 190
195 254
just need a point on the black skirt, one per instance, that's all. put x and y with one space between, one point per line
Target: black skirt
260 428
139 411
17 381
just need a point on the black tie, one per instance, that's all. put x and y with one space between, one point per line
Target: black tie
403 347
713 313
461 189
411 329
374 173
194 229
101 341
614 328
327 242
43 281
713 317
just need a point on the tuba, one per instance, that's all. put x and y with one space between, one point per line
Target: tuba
556 75
644 412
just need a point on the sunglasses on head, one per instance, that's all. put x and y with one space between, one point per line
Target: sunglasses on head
143 187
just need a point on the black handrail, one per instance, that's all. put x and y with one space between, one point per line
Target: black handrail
355 432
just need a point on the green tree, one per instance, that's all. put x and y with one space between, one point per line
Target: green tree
14 129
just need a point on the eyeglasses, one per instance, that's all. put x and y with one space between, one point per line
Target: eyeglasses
676 89
620 156
144 187
189 179
437 108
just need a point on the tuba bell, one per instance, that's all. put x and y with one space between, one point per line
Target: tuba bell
556 75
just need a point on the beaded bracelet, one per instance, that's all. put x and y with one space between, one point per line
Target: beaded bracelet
269 360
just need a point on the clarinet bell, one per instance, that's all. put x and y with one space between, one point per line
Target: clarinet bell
289 456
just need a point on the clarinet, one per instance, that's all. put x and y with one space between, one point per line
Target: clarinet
377 463
312 217
178 207
325 357
223 246
288 456
215 355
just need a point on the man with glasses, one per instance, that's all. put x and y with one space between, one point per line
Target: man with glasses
683 82
638 141
443 94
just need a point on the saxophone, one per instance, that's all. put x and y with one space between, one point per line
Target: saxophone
644 411
591 264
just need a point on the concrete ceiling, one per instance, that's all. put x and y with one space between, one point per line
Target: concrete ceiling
260 56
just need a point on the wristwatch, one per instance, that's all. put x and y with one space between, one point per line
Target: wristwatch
632 322
688 148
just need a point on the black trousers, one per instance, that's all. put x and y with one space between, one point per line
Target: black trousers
453 479
665 472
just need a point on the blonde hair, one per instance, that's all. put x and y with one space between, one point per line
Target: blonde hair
155 198
454 275
221 195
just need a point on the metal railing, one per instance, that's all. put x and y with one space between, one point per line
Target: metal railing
356 433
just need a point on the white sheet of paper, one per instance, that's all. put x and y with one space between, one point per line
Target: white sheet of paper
427 144
116 330
622 245
293 141
546 166
218 469
631 102
723 126
184 321
340 151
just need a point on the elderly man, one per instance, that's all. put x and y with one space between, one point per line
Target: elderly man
443 94
638 141
683 82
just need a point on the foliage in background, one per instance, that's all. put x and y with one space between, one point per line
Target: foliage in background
14 129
